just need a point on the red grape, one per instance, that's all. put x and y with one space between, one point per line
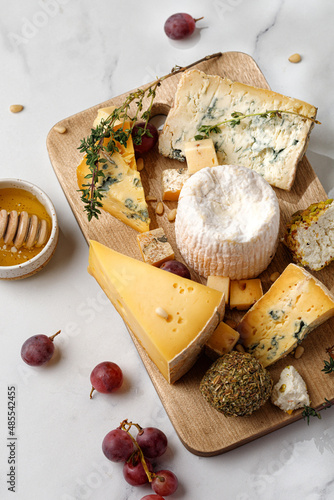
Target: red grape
152 442
106 377
134 472
180 26
152 497
176 267
164 483
144 139
117 445
38 350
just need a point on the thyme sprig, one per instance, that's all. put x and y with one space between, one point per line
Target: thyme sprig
237 116
312 412
329 365
95 143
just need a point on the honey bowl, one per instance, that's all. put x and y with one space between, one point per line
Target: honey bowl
25 209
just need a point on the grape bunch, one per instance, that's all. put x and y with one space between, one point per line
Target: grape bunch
136 454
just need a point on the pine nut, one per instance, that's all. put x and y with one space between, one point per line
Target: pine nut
15 108
295 58
161 312
159 208
150 198
140 164
171 215
239 348
60 129
274 276
299 352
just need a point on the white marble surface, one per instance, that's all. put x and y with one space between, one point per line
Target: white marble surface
59 57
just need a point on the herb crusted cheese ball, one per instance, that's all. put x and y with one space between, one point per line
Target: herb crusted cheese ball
236 384
310 235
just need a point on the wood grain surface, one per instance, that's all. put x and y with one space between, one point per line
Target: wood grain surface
202 430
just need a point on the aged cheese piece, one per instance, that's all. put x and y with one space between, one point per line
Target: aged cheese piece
123 194
227 222
290 392
154 247
200 154
310 235
294 305
272 146
221 283
221 341
172 182
140 292
244 293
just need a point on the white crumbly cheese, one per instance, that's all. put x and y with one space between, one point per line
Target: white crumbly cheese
272 146
227 222
172 182
316 240
290 392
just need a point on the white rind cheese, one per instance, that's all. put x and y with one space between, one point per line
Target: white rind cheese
227 222
290 392
271 146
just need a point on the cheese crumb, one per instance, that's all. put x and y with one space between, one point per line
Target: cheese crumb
290 392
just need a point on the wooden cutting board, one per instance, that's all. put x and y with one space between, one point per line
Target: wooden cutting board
202 430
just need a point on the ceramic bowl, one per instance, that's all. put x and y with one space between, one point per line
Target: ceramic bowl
40 260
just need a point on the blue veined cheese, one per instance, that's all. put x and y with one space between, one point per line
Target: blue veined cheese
290 392
294 305
271 146
227 222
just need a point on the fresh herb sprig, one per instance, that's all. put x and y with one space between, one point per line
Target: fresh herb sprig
236 118
93 145
329 365
312 412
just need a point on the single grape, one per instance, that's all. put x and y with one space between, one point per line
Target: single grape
117 445
38 350
134 472
144 139
180 25
152 441
176 267
164 483
152 497
106 377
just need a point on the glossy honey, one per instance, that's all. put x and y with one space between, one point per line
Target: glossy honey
20 200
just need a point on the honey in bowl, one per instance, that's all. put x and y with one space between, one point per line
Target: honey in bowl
19 200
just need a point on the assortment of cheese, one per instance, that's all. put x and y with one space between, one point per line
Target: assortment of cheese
226 229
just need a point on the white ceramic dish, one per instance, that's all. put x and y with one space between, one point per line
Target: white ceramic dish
40 260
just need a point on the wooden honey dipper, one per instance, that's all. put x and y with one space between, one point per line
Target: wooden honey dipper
18 229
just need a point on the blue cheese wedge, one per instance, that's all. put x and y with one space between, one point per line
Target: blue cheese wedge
154 247
294 305
290 392
272 146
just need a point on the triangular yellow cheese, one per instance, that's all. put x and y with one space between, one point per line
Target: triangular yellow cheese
143 295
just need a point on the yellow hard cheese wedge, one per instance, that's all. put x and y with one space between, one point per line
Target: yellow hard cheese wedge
123 193
294 305
172 317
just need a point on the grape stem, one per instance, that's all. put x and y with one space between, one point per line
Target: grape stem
126 426
198 19
55 335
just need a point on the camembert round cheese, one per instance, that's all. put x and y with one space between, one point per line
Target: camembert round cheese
227 222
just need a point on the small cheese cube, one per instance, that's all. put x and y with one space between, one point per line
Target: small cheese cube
221 283
244 293
154 247
221 341
200 154
172 182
